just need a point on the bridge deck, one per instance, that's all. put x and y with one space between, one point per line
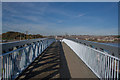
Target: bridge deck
57 61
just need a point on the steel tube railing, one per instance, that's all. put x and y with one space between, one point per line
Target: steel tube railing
104 65
112 50
15 61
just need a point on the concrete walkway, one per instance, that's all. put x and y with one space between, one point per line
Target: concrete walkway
57 61
76 66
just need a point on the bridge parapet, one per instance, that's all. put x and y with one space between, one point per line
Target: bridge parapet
112 50
101 63
16 56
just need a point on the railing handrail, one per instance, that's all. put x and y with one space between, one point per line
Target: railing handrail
9 45
23 53
101 63
113 50
104 53
10 52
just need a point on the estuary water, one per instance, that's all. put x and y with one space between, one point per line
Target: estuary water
112 44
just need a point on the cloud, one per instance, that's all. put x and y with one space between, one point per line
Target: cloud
23 8
80 15
16 15
44 29
48 19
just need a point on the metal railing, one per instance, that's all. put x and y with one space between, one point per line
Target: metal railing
112 50
18 55
104 65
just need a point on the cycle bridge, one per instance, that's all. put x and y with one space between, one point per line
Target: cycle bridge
47 58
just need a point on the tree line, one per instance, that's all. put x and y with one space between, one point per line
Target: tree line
11 35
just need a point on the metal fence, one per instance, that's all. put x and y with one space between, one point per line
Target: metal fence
15 61
104 65
112 50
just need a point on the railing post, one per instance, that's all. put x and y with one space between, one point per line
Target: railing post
1 68
118 70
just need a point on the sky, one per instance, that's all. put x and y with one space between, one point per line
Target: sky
59 18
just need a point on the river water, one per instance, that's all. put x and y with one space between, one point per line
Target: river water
112 44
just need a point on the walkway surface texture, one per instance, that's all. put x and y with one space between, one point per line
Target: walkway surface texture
57 61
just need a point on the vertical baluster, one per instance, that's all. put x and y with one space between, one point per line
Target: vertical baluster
94 63
102 65
22 60
1 71
39 47
34 52
8 64
97 61
11 66
105 66
110 69
35 49
47 43
14 65
89 55
117 69
3 68
43 45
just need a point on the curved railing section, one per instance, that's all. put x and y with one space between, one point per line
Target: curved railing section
16 56
101 63
112 50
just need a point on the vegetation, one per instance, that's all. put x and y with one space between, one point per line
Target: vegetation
19 36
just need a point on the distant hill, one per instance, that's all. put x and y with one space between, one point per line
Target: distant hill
11 35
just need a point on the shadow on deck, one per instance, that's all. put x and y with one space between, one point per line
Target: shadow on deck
50 64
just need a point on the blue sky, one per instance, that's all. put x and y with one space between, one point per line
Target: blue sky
58 18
